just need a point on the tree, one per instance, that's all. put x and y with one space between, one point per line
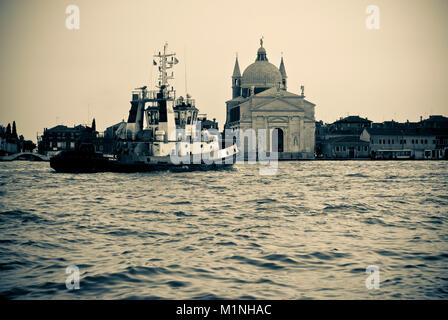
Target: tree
20 143
8 131
29 146
93 125
14 130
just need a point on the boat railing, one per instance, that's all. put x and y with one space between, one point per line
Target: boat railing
185 101
143 94
151 94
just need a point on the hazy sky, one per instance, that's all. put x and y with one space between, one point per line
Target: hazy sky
49 74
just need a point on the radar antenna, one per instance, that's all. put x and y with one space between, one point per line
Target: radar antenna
164 64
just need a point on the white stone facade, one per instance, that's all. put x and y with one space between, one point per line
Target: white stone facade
279 109
260 100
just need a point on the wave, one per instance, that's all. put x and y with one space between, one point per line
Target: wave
22 216
261 264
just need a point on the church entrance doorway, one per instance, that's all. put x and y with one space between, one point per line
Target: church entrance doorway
279 146
351 152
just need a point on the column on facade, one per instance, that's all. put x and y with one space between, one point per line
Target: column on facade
301 135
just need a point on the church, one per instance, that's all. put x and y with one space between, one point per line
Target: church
260 100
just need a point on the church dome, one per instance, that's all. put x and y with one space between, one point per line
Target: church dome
261 74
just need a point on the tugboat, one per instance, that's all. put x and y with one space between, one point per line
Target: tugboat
172 139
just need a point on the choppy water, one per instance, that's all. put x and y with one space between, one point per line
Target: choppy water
308 232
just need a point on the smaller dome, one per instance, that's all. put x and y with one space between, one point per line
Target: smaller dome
261 50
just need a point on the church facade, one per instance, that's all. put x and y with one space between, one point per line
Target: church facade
260 100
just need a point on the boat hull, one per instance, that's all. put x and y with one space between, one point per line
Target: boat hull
78 164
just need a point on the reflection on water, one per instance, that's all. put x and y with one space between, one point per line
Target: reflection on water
308 232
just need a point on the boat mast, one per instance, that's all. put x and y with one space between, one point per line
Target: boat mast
164 65
164 99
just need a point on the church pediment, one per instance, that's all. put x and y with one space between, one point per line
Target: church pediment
277 104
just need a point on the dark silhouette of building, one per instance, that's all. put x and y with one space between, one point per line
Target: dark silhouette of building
62 137
11 143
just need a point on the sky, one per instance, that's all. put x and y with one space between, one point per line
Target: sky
52 75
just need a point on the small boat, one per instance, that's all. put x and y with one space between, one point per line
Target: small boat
171 140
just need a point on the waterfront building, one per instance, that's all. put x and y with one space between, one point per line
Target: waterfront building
106 140
345 147
62 137
260 100
356 137
11 142
396 125
341 139
351 123
7 146
110 132
8 140
415 143
435 121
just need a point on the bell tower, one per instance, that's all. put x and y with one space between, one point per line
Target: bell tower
283 73
236 80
